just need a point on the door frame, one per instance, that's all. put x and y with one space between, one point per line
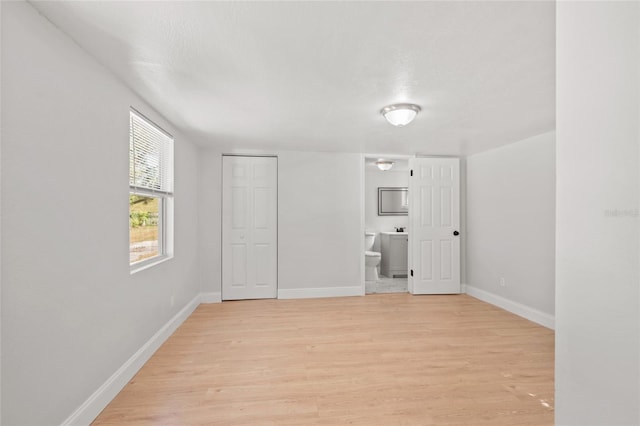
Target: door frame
222 155
363 188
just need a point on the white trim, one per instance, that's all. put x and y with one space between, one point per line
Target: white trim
307 293
211 297
363 176
519 309
148 263
89 410
0 230
250 155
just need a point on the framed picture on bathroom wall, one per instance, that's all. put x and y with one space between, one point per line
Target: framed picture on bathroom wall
393 201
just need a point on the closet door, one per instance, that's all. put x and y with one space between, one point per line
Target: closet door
249 227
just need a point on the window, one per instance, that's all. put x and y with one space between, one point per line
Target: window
150 192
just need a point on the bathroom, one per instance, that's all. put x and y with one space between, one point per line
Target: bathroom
386 249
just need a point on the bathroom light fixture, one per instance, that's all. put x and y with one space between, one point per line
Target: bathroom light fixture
400 114
384 165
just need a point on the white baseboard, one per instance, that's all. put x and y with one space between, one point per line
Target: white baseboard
306 293
90 409
519 309
211 297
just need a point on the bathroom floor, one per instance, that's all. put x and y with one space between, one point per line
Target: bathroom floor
387 285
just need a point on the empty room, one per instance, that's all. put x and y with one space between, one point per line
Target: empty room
369 213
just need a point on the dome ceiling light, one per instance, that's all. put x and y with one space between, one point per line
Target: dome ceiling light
400 114
384 165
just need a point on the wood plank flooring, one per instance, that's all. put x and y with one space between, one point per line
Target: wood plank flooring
387 359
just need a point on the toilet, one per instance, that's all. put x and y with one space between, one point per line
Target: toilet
371 258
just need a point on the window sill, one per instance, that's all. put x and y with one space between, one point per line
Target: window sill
148 264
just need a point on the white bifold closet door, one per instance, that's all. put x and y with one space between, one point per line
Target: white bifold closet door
434 226
249 227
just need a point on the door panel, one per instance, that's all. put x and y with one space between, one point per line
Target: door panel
239 197
434 215
249 228
261 208
445 260
426 212
426 260
239 265
446 218
263 270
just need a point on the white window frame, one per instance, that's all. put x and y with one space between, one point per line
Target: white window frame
165 207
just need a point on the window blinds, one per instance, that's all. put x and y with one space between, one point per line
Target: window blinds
150 156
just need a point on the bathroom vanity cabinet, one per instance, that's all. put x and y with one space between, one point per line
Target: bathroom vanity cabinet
394 247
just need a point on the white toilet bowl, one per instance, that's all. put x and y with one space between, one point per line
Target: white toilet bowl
371 258
371 262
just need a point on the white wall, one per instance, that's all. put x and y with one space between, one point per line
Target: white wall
320 229
511 222
71 312
597 297
374 178
210 168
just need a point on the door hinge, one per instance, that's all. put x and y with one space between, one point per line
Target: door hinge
412 272
411 172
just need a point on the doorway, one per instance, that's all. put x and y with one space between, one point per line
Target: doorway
386 221
412 211
249 227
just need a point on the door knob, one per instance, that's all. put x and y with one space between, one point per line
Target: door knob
456 233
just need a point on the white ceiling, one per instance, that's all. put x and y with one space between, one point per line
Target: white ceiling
314 75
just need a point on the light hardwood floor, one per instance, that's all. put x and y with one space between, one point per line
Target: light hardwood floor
387 359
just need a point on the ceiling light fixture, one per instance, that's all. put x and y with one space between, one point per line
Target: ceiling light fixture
400 114
384 165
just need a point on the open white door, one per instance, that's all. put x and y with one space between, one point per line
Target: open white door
249 227
434 225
